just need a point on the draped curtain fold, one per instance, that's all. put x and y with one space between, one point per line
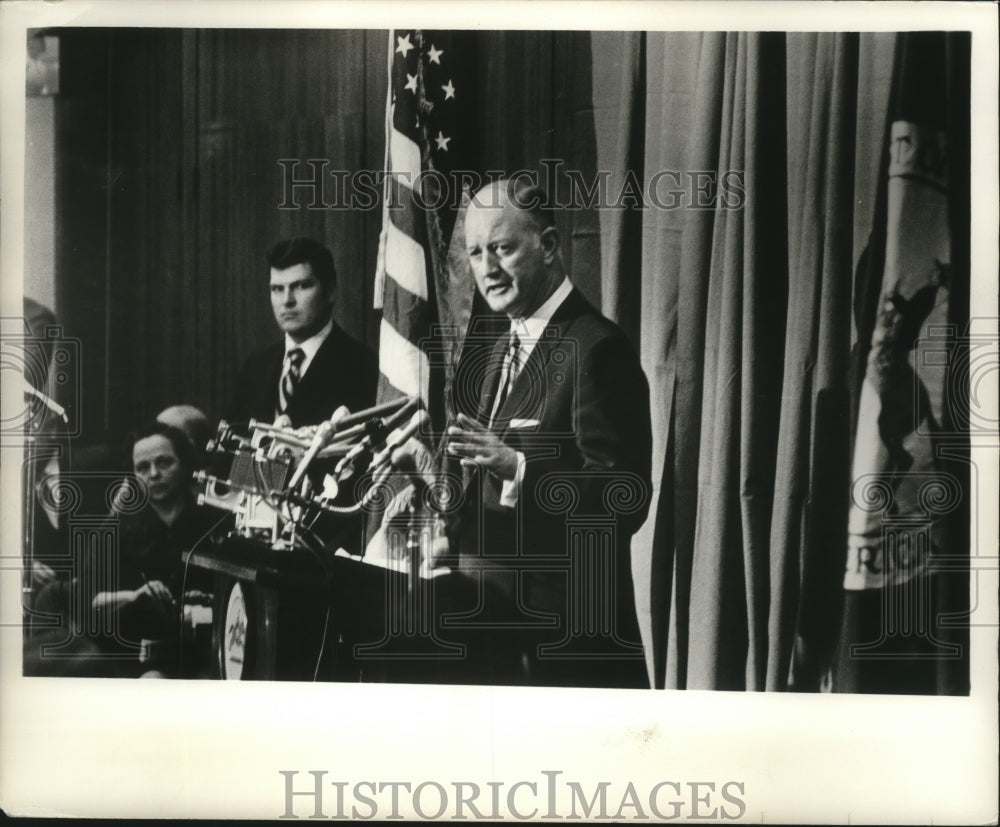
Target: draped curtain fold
746 336
808 533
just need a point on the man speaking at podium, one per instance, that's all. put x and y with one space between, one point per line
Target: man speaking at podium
552 430
317 367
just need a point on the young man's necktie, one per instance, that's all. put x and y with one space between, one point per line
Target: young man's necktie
290 377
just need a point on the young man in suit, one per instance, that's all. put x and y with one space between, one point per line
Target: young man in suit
317 367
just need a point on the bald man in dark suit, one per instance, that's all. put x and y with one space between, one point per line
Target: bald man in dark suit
553 443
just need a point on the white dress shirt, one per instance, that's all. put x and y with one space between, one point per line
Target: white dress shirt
308 347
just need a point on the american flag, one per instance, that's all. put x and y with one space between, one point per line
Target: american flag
429 110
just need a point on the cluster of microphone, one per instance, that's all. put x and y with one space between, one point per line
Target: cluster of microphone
269 469
382 428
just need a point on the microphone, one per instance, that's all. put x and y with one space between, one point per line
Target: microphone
382 462
281 423
376 436
282 428
323 436
47 401
374 411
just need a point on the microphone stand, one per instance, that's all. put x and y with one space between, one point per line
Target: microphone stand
415 525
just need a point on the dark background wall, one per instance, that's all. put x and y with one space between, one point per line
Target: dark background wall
168 187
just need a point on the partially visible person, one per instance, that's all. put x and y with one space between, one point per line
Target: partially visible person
193 423
136 594
317 367
38 320
41 70
49 442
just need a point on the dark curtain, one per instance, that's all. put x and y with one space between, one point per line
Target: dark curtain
170 191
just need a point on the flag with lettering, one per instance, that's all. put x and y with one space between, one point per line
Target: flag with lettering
904 492
423 284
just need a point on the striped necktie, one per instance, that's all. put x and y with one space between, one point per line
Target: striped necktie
511 367
290 377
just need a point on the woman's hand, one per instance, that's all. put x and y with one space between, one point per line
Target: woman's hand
157 591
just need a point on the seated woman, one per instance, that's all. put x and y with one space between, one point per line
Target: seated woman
136 604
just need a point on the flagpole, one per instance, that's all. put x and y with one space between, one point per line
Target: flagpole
380 259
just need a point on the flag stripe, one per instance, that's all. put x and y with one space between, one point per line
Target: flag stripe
405 213
404 262
404 156
403 363
410 315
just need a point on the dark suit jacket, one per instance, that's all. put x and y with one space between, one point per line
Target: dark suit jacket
343 372
579 410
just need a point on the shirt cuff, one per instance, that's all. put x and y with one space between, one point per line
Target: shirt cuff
512 488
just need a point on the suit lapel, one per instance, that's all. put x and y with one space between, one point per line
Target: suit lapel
271 377
532 379
322 364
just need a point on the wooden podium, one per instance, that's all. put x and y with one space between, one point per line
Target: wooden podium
299 615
